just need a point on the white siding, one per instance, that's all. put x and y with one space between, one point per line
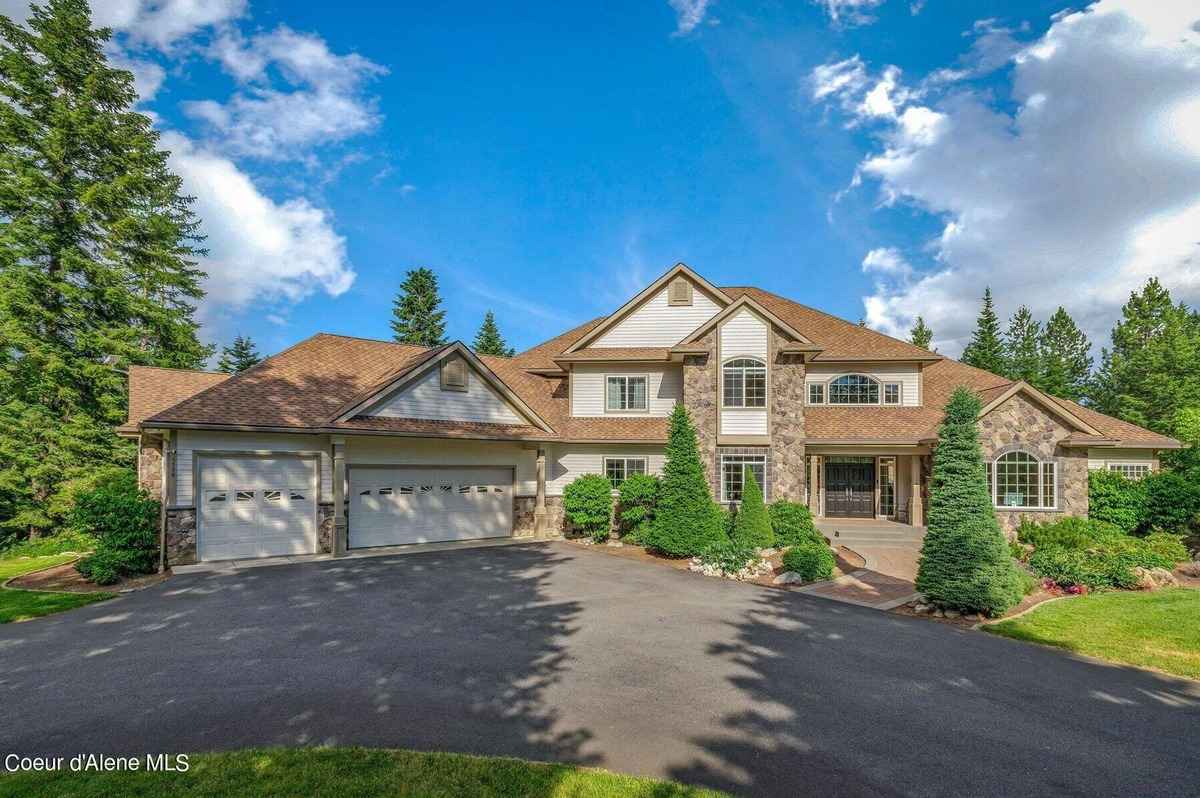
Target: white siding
566 462
744 334
426 399
743 422
191 441
907 374
656 323
664 387
375 450
1100 458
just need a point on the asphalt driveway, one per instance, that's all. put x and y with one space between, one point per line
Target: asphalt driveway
554 652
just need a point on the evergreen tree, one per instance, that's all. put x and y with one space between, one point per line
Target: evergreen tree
1152 370
1066 357
489 341
98 252
1022 353
986 351
238 357
752 524
920 334
417 317
686 520
964 561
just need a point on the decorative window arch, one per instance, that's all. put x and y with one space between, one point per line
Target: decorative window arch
854 389
1018 479
744 383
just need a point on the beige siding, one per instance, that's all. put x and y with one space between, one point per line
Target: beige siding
743 422
908 375
566 462
744 335
655 323
378 450
1099 459
664 387
191 441
426 399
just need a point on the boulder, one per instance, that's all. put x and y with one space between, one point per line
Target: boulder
1191 569
953 614
788 578
1154 578
921 608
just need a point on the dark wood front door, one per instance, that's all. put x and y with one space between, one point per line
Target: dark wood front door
850 487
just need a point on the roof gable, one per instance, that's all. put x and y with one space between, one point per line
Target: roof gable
746 302
997 398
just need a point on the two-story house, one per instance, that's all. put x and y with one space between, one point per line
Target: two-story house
344 442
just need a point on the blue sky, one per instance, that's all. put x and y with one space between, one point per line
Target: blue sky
548 161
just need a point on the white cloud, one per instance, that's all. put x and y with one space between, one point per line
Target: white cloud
887 261
1088 187
851 12
263 121
689 14
158 23
259 249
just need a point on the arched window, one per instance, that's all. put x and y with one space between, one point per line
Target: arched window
1018 479
854 389
744 383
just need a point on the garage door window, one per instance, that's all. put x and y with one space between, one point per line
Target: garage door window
216 496
244 496
272 495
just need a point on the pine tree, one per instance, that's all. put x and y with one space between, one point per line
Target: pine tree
1066 356
238 357
986 351
752 525
687 520
489 341
920 334
964 561
98 252
1022 353
416 315
1152 370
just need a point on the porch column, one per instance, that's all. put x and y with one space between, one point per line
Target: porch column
539 510
916 512
814 487
339 497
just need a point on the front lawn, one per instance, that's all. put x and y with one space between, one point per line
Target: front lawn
351 772
1149 629
22 605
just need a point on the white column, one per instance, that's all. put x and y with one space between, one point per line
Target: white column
339 497
916 511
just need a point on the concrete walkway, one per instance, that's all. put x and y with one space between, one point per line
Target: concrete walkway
890 551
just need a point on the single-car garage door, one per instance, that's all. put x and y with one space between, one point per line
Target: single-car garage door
397 505
256 506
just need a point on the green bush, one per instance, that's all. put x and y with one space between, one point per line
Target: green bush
637 498
686 520
792 524
811 560
67 541
752 525
1116 500
124 520
728 555
1107 563
1069 532
965 561
1170 549
1172 501
587 503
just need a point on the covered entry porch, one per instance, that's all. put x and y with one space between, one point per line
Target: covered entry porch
855 482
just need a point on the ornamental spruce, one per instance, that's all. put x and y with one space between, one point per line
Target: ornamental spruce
687 520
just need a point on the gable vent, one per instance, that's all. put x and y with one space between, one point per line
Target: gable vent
680 292
454 375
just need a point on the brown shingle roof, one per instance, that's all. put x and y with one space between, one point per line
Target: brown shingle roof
626 353
449 429
152 390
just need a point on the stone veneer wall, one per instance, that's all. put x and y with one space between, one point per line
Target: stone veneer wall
787 424
181 536
325 527
700 399
149 467
524 523
1020 424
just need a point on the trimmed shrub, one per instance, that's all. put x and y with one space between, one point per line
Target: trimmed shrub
728 555
1069 532
792 524
811 560
1108 562
965 561
638 495
587 503
1116 500
124 521
1172 501
686 520
752 525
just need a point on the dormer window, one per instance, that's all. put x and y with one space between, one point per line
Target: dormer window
679 293
854 389
454 375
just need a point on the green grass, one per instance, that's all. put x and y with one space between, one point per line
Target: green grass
22 605
1151 630
348 772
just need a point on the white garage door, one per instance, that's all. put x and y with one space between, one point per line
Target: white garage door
257 507
394 506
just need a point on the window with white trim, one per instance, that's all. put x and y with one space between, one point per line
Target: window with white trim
625 393
1131 470
744 383
816 393
618 469
1018 480
733 468
892 392
854 389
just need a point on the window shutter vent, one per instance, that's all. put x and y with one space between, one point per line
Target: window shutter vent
454 375
680 292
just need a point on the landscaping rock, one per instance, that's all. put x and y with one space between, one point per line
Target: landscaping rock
922 609
767 552
1191 569
615 543
939 614
973 617
788 578
1154 578
953 614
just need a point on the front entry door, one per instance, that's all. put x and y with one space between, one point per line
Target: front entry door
850 487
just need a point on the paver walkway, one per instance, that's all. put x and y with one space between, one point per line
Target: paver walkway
891 552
